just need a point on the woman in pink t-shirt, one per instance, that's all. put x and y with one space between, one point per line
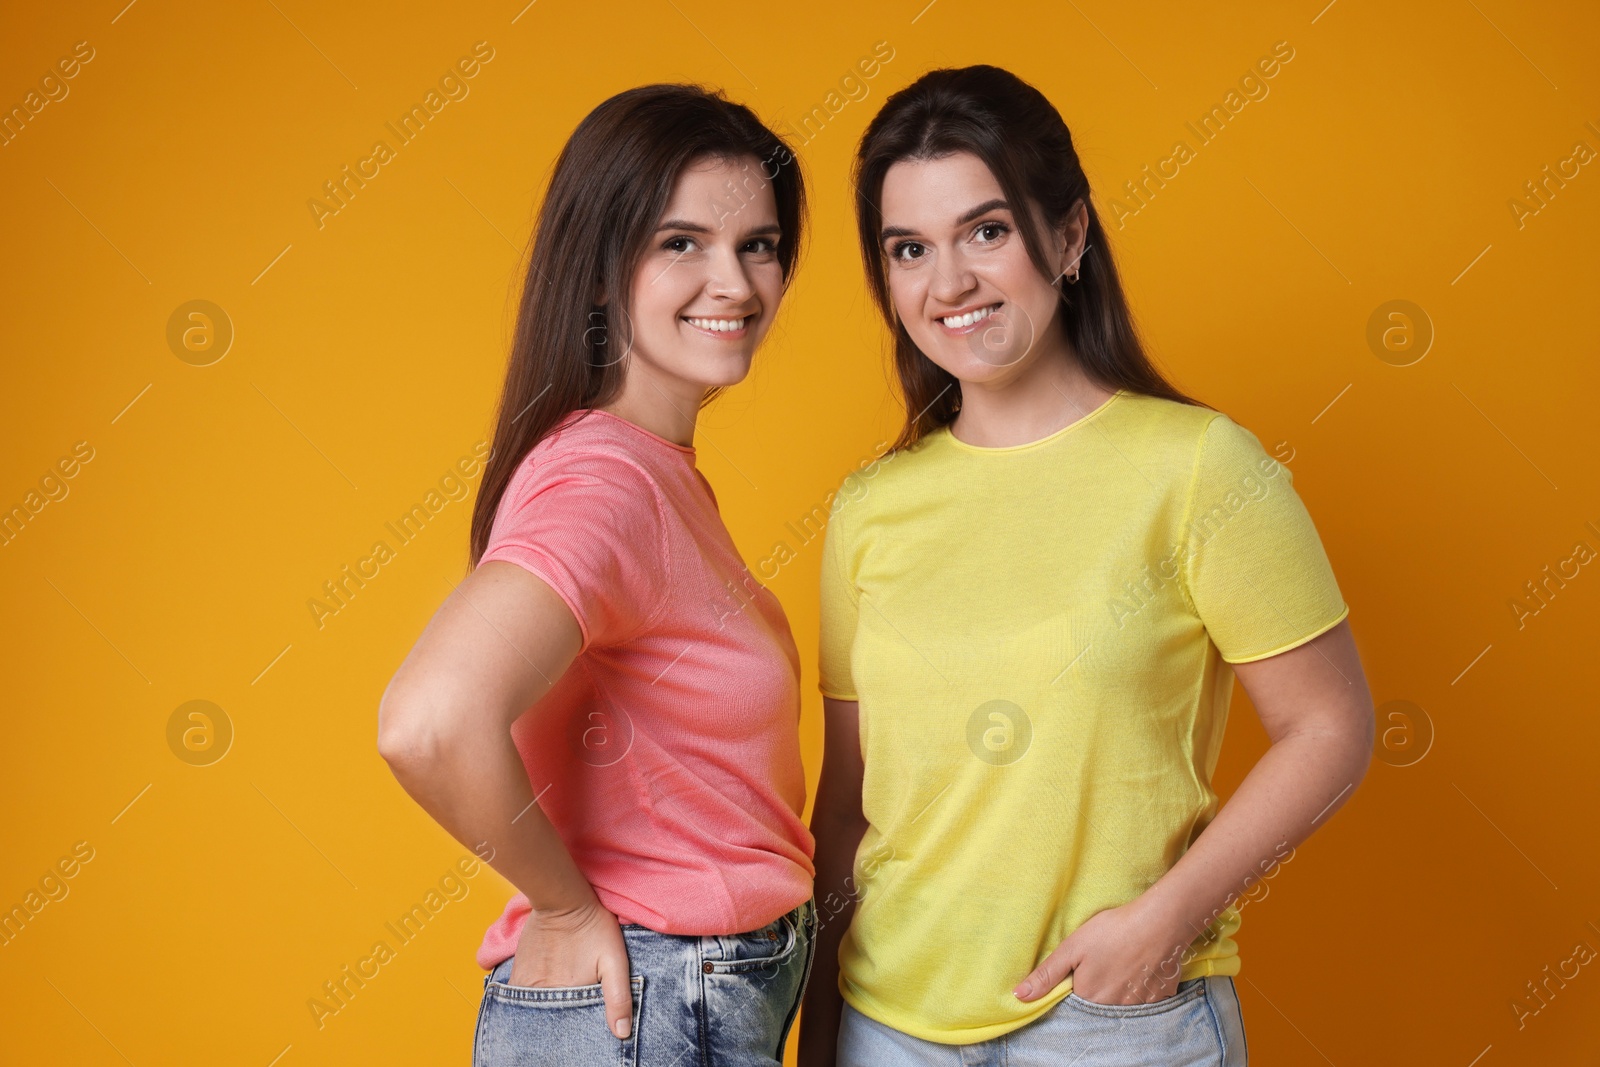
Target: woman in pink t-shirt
606 709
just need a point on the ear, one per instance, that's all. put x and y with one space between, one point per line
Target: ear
1070 237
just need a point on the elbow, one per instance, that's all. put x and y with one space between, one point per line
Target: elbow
399 746
397 750
1343 748
1365 741
408 735
1352 754
1350 749
1360 763
428 729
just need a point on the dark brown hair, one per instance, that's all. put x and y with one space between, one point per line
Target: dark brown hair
1018 133
607 192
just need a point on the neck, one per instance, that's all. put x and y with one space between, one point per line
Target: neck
665 408
1051 393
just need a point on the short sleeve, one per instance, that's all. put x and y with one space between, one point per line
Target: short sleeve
592 527
1254 565
839 605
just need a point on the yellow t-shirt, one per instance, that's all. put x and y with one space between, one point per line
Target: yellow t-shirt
1039 637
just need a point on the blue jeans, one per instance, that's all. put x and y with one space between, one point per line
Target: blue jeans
1198 1026
713 1001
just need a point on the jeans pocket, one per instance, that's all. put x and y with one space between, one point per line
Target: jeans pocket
751 984
1187 991
559 1026
808 918
763 951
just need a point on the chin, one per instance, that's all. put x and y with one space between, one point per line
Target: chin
719 376
968 367
728 380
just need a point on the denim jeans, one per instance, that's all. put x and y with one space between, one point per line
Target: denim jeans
713 1001
1198 1026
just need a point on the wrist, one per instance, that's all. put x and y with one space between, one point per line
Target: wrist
1160 905
563 902
1163 907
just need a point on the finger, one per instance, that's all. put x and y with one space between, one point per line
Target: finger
1047 975
617 991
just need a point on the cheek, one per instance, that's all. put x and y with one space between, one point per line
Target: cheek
662 290
1014 274
767 281
908 291
1033 299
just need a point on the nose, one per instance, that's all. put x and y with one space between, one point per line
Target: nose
728 279
952 279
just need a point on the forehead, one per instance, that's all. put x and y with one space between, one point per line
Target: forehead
936 191
706 186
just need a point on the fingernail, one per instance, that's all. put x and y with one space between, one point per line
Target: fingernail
1021 991
623 1027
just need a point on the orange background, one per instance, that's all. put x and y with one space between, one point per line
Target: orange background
1380 166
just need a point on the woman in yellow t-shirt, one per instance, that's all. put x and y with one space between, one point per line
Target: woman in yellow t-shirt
1033 611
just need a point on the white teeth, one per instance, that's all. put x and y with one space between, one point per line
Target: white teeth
718 325
956 322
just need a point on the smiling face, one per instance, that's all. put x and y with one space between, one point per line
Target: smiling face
959 274
708 284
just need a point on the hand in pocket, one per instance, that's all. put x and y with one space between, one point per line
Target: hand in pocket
580 946
1122 955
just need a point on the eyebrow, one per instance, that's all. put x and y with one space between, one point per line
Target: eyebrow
984 208
695 227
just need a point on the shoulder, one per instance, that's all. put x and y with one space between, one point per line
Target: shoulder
591 463
900 468
1162 422
887 475
585 446
1201 442
1230 450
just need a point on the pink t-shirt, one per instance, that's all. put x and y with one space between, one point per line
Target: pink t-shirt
668 755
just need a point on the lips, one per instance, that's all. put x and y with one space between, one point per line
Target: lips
718 324
720 327
966 320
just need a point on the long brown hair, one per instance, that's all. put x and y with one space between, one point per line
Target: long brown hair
608 190
1013 128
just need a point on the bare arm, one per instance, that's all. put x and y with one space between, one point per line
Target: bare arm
1314 703
494 648
838 825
